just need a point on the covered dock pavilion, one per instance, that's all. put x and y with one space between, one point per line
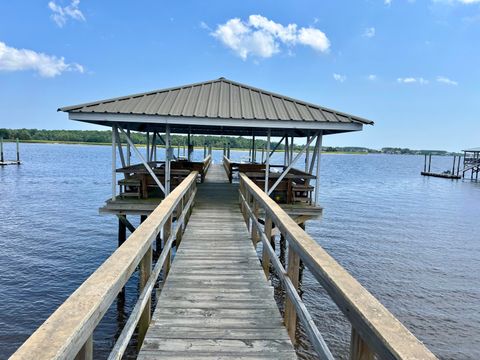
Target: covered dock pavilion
216 107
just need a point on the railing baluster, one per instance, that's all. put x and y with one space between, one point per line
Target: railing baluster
145 271
255 234
179 229
167 230
265 257
86 352
293 273
359 349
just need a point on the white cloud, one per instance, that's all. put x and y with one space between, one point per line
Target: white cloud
62 14
447 81
387 2
12 59
412 80
372 77
314 38
261 37
339 77
369 32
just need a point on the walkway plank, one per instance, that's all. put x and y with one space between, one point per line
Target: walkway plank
216 302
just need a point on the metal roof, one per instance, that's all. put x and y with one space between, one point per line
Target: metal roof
216 99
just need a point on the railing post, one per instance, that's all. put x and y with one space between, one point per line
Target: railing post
145 271
359 349
265 257
167 230
293 274
255 234
86 352
179 229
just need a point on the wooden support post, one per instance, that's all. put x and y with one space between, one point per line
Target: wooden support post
122 232
293 274
129 152
267 162
359 350
265 257
167 230
453 167
114 164
1 150
86 352
18 152
145 271
429 162
204 150
425 163
168 158
254 156
458 164
317 173
148 148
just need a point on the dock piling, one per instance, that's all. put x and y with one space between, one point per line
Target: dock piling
1 149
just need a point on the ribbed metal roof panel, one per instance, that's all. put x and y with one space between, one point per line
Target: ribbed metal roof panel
219 98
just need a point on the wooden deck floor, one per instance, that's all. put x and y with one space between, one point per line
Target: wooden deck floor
216 302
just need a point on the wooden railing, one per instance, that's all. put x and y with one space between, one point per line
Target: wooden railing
206 165
67 333
376 333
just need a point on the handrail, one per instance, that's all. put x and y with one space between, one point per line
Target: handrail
68 331
375 331
206 165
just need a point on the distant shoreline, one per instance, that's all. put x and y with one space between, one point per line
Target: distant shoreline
53 142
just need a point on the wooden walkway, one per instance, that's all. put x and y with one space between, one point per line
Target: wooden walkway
216 302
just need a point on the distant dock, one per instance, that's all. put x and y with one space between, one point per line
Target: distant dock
4 162
453 174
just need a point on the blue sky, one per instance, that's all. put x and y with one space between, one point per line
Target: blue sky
411 66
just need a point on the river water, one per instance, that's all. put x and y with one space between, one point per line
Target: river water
411 241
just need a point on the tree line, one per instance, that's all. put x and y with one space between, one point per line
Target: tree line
105 137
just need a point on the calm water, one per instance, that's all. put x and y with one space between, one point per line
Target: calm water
412 241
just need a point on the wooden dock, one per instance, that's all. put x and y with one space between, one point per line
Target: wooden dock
216 301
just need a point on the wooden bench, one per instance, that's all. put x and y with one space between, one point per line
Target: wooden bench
130 187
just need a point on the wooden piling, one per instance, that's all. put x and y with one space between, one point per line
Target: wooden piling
1 150
122 232
429 162
18 152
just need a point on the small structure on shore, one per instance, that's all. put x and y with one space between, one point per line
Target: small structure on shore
3 161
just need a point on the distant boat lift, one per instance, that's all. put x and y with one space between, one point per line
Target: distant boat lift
4 162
